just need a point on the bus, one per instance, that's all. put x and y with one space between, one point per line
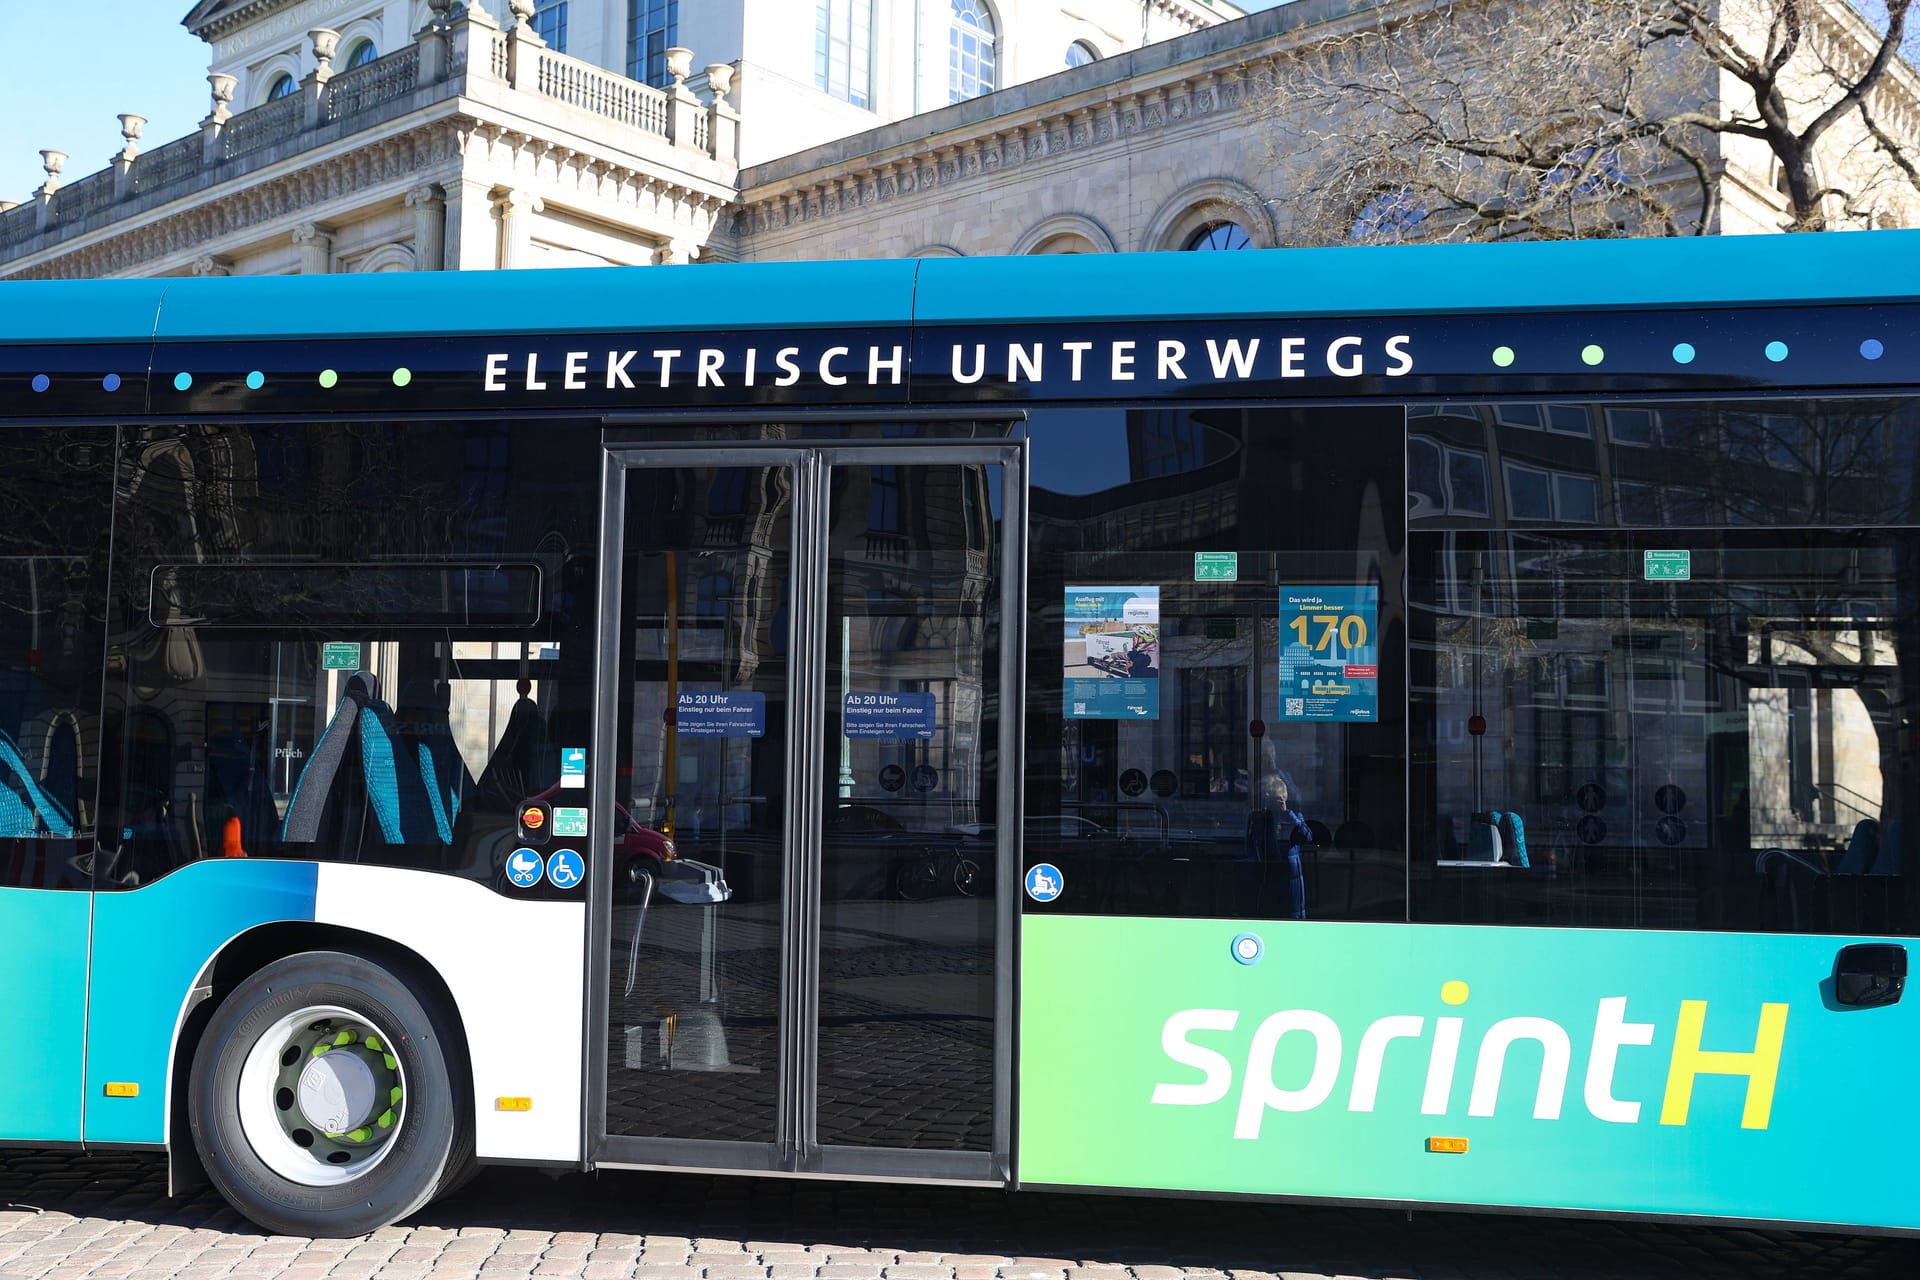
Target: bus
1416 726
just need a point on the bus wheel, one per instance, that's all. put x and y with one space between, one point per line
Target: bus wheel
323 1101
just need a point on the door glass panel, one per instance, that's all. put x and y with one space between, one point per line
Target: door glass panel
909 827
698 870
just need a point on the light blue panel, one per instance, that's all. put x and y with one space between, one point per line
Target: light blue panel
804 295
90 311
43 1000
149 945
1419 279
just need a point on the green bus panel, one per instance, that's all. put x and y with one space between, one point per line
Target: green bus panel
43 1007
1658 1073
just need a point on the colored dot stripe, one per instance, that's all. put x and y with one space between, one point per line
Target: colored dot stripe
182 381
41 382
1776 351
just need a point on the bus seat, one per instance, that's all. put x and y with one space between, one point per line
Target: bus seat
1483 839
25 809
425 731
1863 849
402 787
315 784
1887 862
524 763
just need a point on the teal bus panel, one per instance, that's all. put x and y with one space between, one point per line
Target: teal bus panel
1626 1071
149 945
43 1002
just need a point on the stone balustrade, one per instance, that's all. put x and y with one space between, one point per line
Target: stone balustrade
464 56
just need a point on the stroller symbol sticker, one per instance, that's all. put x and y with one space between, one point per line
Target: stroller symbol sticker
524 868
1044 882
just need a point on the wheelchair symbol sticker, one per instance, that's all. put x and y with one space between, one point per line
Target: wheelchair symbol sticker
1044 882
524 868
564 868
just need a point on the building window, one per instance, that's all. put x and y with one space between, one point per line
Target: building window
971 69
653 27
1220 235
283 84
550 24
1080 53
842 50
363 52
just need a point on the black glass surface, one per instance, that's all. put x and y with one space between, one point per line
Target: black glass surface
699 879
1173 807
56 488
356 641
911 775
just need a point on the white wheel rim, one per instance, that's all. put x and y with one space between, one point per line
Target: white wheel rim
286 1072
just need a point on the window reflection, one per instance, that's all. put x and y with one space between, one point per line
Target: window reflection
1177 810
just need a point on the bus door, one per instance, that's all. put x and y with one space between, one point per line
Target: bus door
806 762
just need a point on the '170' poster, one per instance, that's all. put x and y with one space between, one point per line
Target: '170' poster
1329 653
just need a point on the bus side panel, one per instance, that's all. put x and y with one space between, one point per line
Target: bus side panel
149 945
1638 1072
43 1002
517 973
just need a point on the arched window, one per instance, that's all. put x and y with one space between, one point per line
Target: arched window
1220 235
970 70
362 52
1080 53
282 85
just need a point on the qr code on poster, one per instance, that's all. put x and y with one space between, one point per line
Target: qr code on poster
1296 706
1079 708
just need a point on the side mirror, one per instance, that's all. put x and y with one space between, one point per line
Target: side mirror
1870 973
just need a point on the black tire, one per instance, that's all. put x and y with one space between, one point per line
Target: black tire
430 1148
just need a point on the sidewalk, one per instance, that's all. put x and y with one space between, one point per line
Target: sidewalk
68 1217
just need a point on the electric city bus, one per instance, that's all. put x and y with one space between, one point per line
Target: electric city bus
1418 726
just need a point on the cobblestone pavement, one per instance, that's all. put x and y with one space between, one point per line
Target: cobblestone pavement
65 1217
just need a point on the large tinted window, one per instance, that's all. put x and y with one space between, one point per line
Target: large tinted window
1215 685
1664 672
363 641
56 492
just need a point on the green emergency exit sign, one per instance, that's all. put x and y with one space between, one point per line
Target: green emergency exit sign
1216 566
338 655
1667 566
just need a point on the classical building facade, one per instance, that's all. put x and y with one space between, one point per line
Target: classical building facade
371 135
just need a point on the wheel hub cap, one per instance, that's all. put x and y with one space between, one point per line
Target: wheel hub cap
336 1092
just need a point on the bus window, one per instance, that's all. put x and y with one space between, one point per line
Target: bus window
1672 727
358 642
56 487
1215 690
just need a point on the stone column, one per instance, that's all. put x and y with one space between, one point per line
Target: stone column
315 243
472 238
682 104
222 87
523 48
429 227
130 127
212 265
723 122
326 43
54 162
516 210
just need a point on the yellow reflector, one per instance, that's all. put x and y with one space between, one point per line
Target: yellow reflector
513 1104
122 1089
1449 1146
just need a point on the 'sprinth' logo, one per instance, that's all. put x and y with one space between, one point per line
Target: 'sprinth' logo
1611 1033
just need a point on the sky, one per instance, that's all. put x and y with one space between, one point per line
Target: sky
105 57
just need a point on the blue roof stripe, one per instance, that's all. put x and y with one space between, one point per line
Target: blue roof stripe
1852 267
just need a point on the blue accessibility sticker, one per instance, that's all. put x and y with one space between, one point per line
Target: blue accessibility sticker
565 868
1044 882
525 868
